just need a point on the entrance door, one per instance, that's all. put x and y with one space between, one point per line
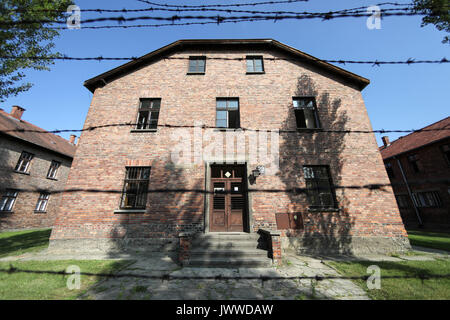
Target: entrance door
228 200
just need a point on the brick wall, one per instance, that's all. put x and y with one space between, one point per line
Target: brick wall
265 103
432 167
23 215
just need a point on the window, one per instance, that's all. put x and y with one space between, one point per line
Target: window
306 113
53 169
255 64
8 199
227 113
389 170
148 114
41 205
134 194
427 199
319 186
414 163
402 201
24 162
197 64
446 150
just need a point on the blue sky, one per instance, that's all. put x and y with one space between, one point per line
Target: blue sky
399 97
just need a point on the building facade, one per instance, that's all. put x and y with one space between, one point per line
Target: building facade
34 166
228 136
418 166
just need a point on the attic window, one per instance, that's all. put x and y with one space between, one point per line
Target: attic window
197 65
255 64
51 174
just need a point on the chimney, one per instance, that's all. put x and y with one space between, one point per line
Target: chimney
72 139
385 141
17 112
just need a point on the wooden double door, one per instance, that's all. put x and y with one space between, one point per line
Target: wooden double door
228 199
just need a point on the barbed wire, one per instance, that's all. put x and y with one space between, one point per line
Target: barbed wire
262 278
295 191
220 19
317 130
151 9
374 63
226 5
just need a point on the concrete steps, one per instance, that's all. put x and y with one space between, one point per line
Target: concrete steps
227 250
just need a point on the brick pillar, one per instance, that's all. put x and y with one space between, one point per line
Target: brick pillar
273 241
185 247
276 248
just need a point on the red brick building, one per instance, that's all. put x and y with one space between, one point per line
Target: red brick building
228 136
33 165
418 166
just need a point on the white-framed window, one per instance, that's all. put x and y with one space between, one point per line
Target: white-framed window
41 205
24 162
8 200
53 170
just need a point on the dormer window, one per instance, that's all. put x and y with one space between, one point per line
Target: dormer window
197 65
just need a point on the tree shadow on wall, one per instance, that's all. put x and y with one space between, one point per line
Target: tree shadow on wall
174 205
323 231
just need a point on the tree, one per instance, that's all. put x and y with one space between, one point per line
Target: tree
21 41
437 12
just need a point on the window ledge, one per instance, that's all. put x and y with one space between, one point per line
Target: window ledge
195 73
130 211
54 179
6 212
324 209
26 173
256 72
144 130
35 211
228 129
309 129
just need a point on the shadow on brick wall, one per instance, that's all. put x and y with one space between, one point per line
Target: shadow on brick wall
167 214
6 181
323 231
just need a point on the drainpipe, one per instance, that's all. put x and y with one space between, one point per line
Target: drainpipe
409 192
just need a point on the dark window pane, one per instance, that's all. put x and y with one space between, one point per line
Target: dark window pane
300 119
233 121
318 185
305 113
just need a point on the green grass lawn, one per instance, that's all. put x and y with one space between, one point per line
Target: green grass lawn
402 289
30 286
19 242
430 239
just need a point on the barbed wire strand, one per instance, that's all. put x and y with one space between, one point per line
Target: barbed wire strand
220 19
100 11
340 61
313 131
296 191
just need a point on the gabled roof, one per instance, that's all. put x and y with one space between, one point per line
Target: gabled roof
203 44
45 140
417 139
